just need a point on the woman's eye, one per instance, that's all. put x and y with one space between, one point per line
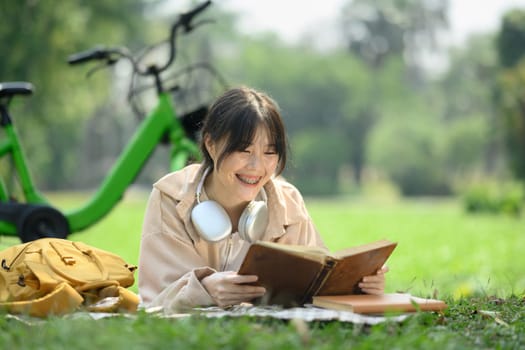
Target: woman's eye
271 151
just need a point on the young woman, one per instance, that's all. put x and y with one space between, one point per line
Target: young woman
200 221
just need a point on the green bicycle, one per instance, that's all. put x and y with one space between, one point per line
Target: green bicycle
35 217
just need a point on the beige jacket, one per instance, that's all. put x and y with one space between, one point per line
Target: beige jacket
174 259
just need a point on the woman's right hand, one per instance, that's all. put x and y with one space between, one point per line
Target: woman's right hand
228 288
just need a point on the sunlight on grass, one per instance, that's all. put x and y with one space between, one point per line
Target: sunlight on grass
440 248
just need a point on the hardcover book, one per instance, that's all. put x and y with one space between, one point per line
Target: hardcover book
293 274
378 304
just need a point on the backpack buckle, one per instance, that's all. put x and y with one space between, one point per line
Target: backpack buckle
69 260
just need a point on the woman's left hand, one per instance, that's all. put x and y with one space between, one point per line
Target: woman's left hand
374 284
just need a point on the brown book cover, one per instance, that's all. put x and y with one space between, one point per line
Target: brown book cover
378 304
293 274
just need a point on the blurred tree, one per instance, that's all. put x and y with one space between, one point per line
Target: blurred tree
474 136
379 31
333 94
407 145
35 39
320 154
448 128
316 91
510 95
510 38
511 100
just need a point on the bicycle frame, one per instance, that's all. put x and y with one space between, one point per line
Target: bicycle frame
161 122
12 146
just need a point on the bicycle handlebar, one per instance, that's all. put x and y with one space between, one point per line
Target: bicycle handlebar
186 18
184 21
111 55
98 53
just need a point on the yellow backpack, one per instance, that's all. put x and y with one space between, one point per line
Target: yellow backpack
53 276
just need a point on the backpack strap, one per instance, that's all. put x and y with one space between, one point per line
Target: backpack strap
62 300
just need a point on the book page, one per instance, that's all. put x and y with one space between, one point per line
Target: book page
362 248
314 253
352 267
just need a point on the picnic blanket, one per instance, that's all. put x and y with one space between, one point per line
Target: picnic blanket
308 313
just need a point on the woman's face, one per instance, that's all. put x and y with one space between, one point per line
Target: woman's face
242 174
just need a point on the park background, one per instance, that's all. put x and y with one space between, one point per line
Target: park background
395 132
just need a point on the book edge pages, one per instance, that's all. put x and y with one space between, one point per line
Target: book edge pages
424 304
311 253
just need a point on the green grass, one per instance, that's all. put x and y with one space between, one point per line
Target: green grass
475 263
440 247
474 323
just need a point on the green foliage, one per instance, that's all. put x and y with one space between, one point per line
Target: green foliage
449 131
511 35
511 104
317 156
327 93
389 117
410 154
375 30
36 38
471 136
495 198
463 96
432 141
511 85
464 142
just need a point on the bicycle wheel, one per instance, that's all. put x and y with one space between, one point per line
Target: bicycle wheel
37 221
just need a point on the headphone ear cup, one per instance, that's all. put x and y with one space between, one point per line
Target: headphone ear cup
211 221
253 221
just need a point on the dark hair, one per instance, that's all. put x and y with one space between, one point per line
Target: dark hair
235 116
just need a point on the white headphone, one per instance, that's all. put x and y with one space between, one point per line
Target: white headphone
213 223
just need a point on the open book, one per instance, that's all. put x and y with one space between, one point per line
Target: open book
374 304
293 274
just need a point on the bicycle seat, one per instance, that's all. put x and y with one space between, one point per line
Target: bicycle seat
10 89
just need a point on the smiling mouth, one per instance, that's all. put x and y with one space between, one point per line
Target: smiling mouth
251 180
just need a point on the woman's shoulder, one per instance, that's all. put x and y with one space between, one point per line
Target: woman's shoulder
286 192
178 183
285 204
